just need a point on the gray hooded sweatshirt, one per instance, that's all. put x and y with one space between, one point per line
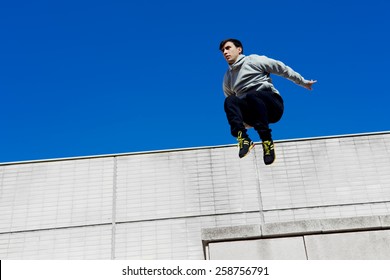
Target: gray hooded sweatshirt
253 72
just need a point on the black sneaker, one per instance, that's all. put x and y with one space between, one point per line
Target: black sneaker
245 144
269 152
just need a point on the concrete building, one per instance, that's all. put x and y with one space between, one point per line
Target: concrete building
323 198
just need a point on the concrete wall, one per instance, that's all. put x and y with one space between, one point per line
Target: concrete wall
154 205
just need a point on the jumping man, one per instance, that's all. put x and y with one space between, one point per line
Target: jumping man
251 98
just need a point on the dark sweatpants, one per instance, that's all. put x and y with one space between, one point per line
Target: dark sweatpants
257 109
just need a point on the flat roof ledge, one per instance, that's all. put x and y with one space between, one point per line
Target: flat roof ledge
296 228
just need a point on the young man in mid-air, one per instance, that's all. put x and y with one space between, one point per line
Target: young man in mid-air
251 98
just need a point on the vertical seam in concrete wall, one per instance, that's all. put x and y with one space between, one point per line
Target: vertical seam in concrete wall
113 218
207 248
259 190
304 246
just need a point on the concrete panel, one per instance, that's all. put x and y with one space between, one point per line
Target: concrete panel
350 224
291 228
236 232
185 183
56 194
385 220
291 248
81 243
368 245
312 173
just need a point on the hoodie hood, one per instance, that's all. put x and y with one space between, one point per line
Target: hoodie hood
240 60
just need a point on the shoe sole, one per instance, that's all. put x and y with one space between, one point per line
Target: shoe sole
270 162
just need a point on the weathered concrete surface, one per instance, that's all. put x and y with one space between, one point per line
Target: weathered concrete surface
262 249
366 245
227 233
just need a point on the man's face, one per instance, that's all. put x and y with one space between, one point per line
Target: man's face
231 52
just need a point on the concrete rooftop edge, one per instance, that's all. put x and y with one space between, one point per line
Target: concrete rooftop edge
190 148
295 228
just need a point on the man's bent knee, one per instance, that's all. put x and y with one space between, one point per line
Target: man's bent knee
231 100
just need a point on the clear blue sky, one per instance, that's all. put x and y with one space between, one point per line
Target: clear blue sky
81 78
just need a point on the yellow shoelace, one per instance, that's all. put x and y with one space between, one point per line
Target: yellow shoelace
268 146
241 140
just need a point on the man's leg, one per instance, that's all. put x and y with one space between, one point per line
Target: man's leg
235 109
266 107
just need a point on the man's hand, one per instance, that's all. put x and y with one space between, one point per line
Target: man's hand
309 84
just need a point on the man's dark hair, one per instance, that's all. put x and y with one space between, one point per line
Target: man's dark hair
235 42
